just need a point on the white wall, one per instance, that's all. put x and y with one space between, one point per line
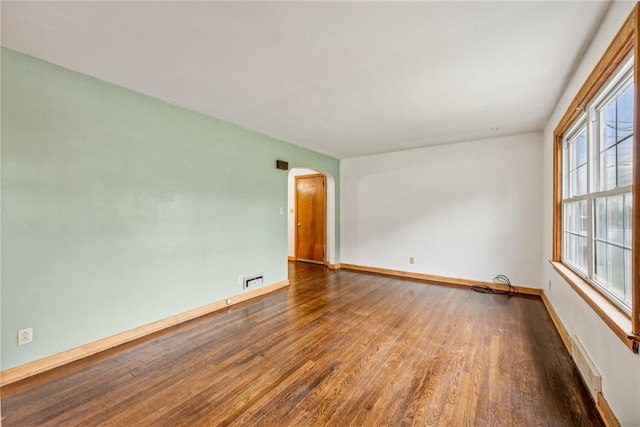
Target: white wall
469 210
291 212
619 367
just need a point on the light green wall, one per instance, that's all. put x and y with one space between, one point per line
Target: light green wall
119 209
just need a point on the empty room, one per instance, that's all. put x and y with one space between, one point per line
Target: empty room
319 213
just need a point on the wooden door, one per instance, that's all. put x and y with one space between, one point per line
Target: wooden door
311 200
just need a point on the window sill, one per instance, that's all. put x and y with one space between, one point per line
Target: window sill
618 321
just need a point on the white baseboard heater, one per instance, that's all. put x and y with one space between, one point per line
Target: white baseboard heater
587 369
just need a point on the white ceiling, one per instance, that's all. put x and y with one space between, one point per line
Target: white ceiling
342 78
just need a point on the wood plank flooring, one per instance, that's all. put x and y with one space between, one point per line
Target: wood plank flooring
336 348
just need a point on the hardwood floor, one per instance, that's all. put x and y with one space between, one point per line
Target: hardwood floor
335 348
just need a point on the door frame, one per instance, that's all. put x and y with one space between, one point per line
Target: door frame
325 259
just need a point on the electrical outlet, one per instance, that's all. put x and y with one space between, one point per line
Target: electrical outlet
25 336
411 260
239 279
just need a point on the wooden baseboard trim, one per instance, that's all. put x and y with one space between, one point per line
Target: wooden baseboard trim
564 335
606 413
39 366
438 279
326 263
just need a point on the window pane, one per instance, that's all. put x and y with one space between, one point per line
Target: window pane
581 243
575 182
600 223
608 169
582 147
568 248
583 220
575 217
573 155
625 113
569 217
628 212
624 160
615 270
615 220
627 277
575 248
612 262
616 152
601 262
581 180
575 243
609 123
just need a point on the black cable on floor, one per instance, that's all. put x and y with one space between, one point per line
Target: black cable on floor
500 279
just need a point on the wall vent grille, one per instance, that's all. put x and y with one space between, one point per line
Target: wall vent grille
254 281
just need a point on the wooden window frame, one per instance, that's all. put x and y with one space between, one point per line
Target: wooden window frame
626 327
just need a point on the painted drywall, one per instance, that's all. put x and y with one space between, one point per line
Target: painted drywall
467 210
619 367
120 210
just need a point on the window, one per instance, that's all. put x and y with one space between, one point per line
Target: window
575 206
597 199
596 227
